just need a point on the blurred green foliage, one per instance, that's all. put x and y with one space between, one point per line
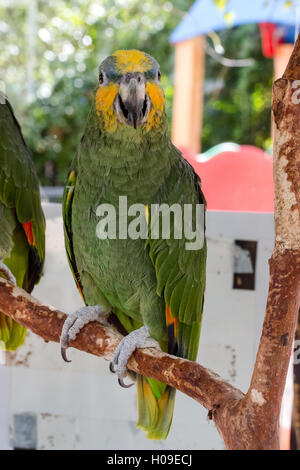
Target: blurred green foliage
51 50
239 108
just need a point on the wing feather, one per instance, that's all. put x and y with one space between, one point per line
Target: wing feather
180 273
67 220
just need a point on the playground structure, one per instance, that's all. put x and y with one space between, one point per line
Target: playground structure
277 22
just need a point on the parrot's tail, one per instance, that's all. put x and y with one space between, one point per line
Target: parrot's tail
12 334
155 407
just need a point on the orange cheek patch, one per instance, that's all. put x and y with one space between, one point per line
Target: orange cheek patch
157 98
105 97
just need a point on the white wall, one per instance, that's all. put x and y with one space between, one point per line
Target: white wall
5 382
81 406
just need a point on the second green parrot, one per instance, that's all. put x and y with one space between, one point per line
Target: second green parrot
22 234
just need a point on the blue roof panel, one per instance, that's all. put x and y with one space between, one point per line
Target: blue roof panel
204 16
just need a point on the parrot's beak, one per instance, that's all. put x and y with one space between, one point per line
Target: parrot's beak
132 103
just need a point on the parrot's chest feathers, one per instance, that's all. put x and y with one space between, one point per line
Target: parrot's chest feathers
119 170
115 262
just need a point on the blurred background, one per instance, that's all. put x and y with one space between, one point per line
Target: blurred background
218 60
51 50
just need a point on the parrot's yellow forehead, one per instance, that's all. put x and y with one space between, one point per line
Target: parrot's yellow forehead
132 61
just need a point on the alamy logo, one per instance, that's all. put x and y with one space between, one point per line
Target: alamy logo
157 221
297 352
296 94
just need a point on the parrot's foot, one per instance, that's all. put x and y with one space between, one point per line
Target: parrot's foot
136 339
75 322
7 273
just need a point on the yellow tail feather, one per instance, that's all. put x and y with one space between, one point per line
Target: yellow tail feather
155 414
12 334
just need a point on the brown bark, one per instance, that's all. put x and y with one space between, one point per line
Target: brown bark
248 421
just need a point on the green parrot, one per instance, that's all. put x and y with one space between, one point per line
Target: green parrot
151 286
22 235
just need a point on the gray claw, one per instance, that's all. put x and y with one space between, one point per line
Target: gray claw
75 322
64 354
136 339
7 273
123 384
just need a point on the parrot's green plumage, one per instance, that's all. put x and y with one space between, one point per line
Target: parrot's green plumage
22 234
126 151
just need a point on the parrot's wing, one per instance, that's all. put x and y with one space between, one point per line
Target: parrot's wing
180 277
19 192
67 219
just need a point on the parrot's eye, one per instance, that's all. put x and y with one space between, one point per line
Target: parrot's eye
159 75
103 79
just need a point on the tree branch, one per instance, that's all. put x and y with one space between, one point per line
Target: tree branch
101 340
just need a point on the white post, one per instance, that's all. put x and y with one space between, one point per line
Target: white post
5 393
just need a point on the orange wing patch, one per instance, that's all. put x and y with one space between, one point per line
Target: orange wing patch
172 329
171 320
28 232
79 287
